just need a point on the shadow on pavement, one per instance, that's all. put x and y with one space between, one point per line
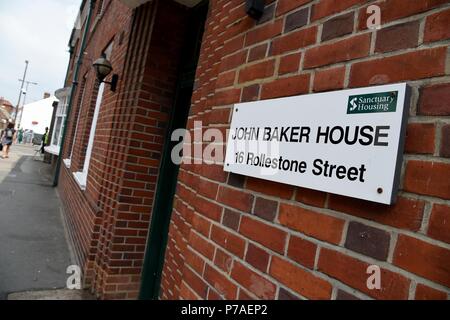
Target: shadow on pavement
34 253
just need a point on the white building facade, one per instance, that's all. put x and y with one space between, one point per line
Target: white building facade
37 115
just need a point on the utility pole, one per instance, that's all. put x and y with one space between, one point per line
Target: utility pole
21 90
24 100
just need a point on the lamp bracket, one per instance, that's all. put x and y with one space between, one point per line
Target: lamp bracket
113 82
255 8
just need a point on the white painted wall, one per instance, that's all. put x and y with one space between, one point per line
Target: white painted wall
41 112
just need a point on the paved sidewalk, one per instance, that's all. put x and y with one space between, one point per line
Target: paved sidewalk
62 294
34 253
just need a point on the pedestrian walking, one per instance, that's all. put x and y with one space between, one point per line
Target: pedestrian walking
20 136
8 136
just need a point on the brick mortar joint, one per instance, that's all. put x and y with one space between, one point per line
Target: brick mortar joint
427 158
412 289
392 246
426 219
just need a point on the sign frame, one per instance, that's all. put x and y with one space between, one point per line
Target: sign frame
387 194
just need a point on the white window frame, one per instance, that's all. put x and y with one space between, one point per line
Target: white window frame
102 8
68 161
81 176
61 112
57 134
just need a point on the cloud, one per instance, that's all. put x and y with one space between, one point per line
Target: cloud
37 31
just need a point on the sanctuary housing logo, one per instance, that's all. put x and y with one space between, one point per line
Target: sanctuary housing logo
371 103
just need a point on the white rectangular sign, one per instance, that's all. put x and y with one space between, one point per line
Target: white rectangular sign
347 142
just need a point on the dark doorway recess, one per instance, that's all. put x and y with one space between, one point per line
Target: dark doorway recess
168 172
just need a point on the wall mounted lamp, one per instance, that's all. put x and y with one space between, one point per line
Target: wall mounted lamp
255 8
103 68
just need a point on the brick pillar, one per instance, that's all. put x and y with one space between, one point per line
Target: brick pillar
128 171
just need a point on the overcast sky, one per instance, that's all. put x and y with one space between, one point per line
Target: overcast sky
37 31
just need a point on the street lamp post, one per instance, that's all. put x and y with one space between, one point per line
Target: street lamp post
21 90
24 101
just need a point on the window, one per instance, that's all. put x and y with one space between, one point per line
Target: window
58 130
101 7
68 161
59 122
81 176
58 127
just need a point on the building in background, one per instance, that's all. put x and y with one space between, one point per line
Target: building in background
143 227
37 116
6 109
6 105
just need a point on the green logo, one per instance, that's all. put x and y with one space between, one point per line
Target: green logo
375 102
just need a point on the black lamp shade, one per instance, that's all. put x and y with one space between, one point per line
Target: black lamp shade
255 8
102 68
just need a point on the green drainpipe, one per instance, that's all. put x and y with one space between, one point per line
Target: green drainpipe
73 88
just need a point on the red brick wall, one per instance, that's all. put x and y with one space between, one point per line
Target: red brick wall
109 221
83 210
80 219
135 144
235 237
